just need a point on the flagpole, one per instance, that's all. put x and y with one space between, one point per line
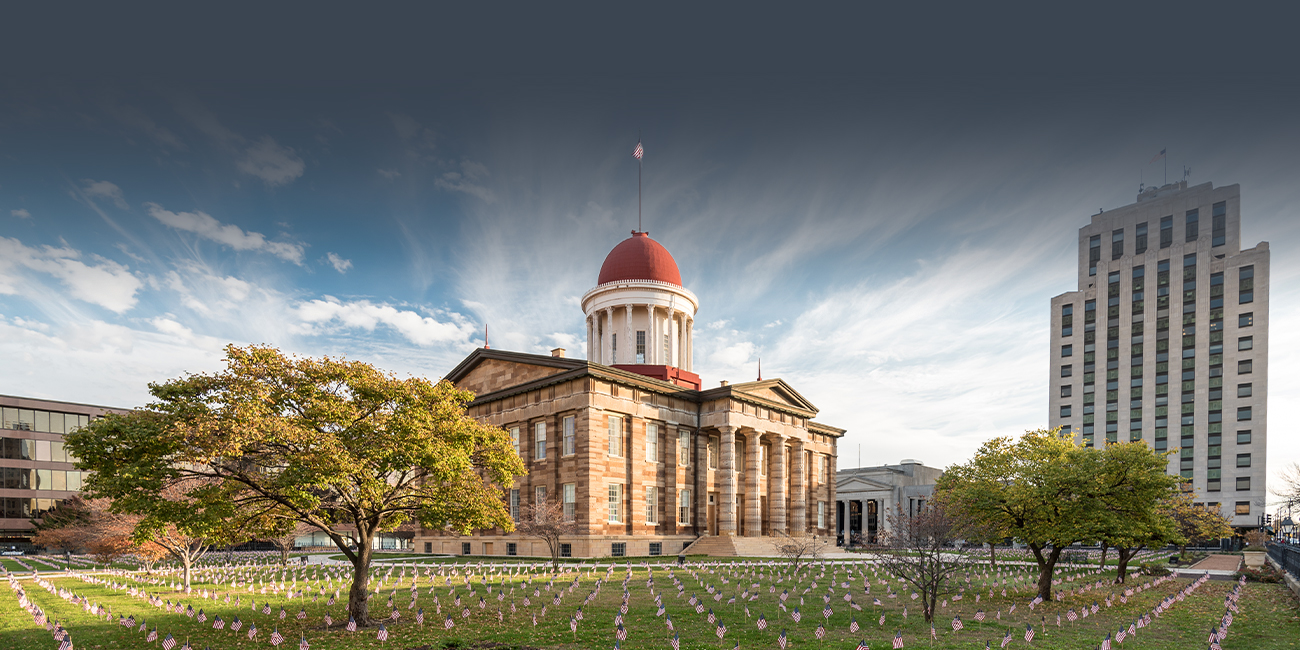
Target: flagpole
638 183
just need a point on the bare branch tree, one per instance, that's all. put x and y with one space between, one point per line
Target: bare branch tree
546 520
799 548
922 549
285 543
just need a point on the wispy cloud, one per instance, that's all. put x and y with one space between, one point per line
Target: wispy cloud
272 162
104 190
102 282
468 180
207 227
21 213
415 327
341 265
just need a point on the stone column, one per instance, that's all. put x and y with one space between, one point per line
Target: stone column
627 333
701 469
798 489
753 501
607 338
727 481
690 344
777 490
652 353
830 492
590 348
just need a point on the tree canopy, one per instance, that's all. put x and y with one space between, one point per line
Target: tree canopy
1049 492
274 441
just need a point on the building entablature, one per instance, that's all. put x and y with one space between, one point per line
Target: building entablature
664 295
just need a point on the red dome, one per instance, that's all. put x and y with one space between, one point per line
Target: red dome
639 258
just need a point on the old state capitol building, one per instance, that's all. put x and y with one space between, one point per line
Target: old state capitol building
643 458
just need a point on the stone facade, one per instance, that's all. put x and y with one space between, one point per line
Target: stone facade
650 462
866 496
1166 341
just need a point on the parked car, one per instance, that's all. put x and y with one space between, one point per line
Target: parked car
11 552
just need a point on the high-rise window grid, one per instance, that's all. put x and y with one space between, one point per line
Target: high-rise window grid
1187 400
1246 284
1193 218
1219 223
1094 253
1117 244
1166 231
1140 239
1089 368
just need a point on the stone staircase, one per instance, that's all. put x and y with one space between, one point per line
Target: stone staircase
731 546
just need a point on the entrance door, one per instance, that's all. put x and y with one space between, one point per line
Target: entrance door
873 524
767 523
740 514
713 513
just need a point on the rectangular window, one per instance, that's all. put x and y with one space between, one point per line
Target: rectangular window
615 503
539 494
1066 390
640 346
615 431
1065 411
1246 285
512 548
651 505
1192 218
465 548
1067 350
1245 320
1245 343
514 504
1243 483
684 507
566 550
1117 244
1067 370
713 452
1243 508
668 361
821 469
428 547
1243 437
1166 231
1243 367
821 514
656 548
1243 413
570 436
1140 240
539 437
1243 390
652 443
1243 460
570 492
684 448
1212 485
618 549
1219 223
1094 253
514 438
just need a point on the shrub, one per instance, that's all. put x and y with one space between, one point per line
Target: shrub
1265 574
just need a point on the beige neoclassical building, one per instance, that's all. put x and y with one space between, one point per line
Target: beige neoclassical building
643 458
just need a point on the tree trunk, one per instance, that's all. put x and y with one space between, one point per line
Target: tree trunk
1104 547
1046 565
187 560
358 594
1124 556
993 554
284 554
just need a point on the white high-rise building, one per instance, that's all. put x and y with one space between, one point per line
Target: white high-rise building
1166 341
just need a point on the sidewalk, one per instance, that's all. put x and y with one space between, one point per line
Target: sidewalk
1220 567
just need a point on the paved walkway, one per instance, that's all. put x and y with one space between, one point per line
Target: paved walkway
1218 563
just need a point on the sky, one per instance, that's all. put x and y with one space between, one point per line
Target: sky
879 202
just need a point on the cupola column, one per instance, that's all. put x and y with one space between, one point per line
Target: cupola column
630 335
590 347
607 338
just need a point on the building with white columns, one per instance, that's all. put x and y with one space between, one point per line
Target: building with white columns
642 456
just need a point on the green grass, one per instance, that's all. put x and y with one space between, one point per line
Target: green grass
1268 618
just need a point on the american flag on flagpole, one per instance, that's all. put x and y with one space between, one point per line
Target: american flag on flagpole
1153 159
640 151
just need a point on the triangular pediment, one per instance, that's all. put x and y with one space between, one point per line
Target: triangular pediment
775 390
488 371
857 483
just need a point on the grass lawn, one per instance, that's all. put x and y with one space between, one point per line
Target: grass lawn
1268 617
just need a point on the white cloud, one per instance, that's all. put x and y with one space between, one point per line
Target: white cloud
104 190
275 164
363 314
104 282
21 213
204 225
467 180
390 174
341 265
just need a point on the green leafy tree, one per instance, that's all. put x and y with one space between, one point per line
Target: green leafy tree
1196 521
279 441
1133 489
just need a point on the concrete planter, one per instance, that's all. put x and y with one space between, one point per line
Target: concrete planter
1254 559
